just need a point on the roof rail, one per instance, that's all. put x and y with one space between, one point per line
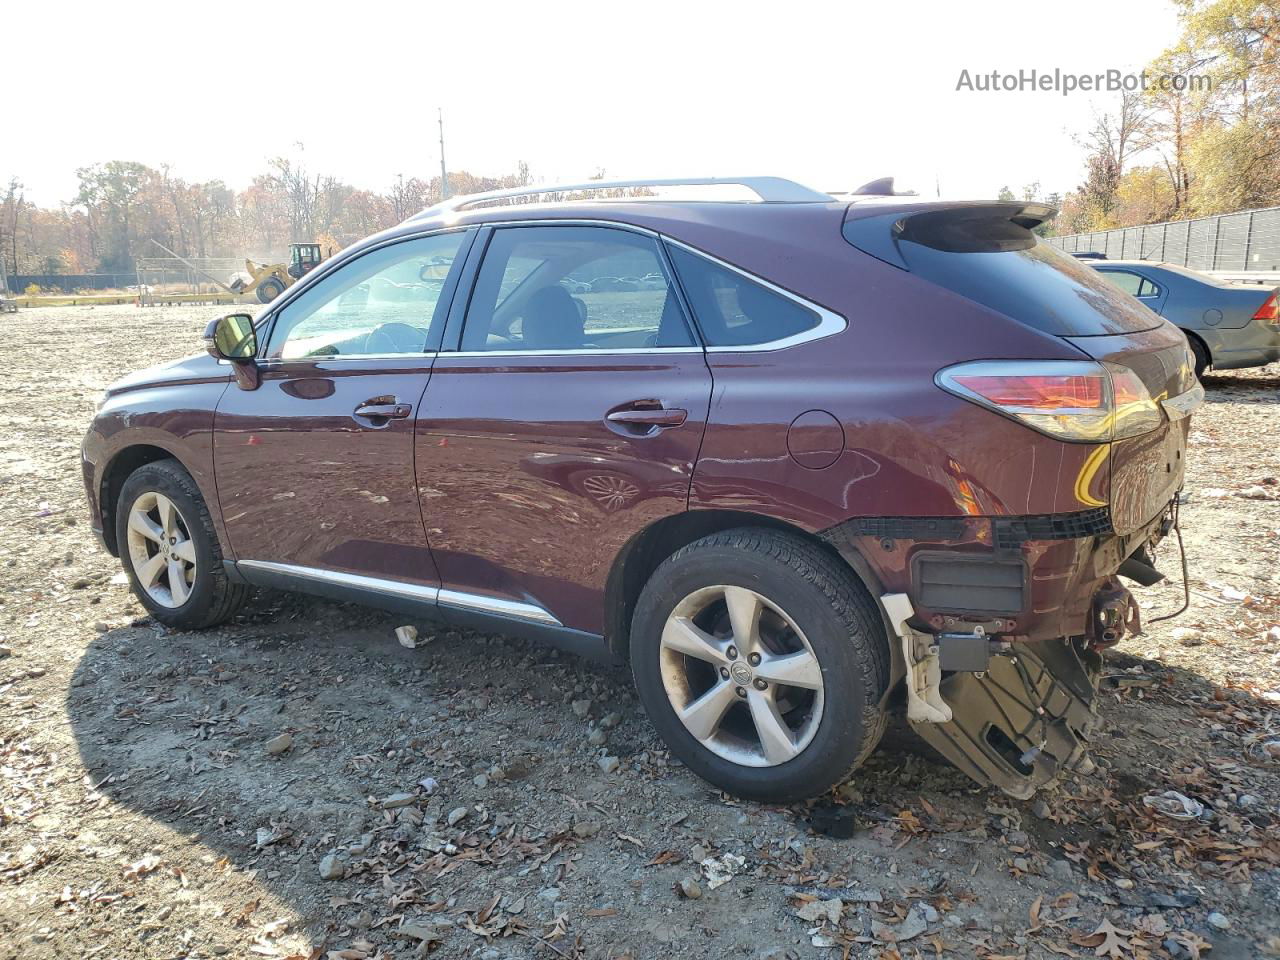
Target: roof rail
768 189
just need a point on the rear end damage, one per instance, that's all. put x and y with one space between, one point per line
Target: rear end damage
1000 621
999 639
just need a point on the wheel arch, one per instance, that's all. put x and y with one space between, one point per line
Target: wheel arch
116 472
1195 337
642 554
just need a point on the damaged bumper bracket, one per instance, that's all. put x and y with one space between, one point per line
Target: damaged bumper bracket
1016 725
924 670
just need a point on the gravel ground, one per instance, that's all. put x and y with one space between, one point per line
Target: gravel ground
298 784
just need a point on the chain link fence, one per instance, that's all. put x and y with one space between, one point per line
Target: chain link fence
1247 241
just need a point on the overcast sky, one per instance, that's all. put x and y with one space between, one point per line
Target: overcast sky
829 94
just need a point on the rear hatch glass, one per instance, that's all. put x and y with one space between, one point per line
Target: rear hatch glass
989 254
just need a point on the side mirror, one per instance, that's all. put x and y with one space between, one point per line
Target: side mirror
231 337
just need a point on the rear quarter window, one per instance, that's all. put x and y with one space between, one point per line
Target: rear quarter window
735 311
1131 283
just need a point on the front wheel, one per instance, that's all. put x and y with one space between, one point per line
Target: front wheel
170 551
762 663
268 290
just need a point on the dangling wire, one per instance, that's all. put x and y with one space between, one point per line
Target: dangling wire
1186 583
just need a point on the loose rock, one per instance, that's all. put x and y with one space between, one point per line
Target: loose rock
331 868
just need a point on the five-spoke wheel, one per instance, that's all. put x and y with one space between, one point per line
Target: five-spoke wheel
161 549
762 662
741 676
165 537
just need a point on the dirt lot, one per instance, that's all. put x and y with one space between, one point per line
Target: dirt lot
479 797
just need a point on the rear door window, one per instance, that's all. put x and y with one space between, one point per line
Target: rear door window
568 288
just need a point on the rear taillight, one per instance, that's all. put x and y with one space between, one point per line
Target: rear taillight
1076 400
1269 312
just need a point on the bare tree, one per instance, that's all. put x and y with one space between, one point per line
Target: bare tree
1118 136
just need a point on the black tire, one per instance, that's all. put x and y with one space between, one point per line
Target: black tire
1201 354
834 611
268 290
213 598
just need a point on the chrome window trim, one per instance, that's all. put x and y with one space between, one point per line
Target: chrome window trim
281 361
589 352
829 322
450 598
571 222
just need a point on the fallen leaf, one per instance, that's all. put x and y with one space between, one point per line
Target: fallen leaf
1106 941
140 868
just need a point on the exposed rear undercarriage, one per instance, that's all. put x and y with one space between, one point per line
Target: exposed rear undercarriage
1014 711
1023 720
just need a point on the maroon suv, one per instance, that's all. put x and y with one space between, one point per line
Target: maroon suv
803 461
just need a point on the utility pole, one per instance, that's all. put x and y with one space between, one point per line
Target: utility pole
444 177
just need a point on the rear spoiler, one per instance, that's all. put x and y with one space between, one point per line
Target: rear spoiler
964 227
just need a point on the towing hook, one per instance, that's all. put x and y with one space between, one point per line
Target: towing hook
1114 614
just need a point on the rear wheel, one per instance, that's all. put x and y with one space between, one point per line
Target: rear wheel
1201 354
170 551
762 662
268 290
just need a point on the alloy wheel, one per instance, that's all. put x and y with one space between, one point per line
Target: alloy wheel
741 676
161 550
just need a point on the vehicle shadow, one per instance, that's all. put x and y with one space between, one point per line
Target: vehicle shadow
178 731
1233 384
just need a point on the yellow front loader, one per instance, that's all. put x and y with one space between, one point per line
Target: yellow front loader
269 280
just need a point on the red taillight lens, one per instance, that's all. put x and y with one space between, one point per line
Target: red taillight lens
1269 312
1074 400
1040 392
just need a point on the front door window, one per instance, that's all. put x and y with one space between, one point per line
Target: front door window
381 304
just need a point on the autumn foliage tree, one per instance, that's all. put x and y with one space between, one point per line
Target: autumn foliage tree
1186 151
121 206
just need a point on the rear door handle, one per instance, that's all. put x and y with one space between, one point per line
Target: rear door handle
383 408
665 417
646 417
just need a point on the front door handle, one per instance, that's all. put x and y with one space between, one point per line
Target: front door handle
383 408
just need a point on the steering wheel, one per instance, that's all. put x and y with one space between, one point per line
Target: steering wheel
400 337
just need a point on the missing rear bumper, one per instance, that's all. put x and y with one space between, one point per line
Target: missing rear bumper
1017 722
1024 720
